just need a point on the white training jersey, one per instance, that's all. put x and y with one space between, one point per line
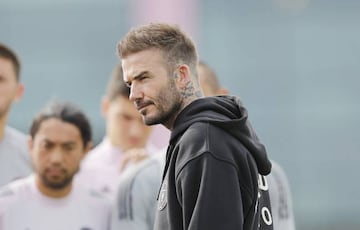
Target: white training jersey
14 156
24 207
100 169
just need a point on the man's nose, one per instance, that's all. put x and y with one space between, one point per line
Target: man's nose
135 92
56 156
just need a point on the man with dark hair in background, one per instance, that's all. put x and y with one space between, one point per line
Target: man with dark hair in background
14 157
48 199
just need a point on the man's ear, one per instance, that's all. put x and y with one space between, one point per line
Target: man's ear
19 91
105 104
87 149
30 144
183 76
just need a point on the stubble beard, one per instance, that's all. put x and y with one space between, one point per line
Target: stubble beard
57 185
168 104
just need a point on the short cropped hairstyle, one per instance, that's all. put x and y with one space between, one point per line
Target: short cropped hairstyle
177 47
116 85
66 112
7 53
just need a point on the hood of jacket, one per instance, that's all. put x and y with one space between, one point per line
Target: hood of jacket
225 112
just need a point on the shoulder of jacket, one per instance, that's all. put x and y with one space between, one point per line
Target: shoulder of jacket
200 138
138 183
145 173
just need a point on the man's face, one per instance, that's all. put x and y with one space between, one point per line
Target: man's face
153 91
124 125
56 152
10 89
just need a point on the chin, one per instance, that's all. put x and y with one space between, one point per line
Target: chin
56 183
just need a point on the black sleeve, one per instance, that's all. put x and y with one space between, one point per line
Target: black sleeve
209 192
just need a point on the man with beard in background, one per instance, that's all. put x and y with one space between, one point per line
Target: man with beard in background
60 137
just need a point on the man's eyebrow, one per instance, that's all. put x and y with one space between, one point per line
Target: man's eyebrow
47 141
68 144
141 74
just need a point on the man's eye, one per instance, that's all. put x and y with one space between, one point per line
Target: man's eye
68 147
46 146
143 77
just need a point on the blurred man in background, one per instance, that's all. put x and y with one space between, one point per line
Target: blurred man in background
60 138
126 139
14 157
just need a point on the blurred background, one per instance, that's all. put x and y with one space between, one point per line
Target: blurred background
295 64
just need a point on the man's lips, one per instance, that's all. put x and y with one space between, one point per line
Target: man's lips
55 171
141 106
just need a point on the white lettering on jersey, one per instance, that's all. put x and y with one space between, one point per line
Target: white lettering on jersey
266 215
263 184
263 194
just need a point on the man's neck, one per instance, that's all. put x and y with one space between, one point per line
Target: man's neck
170 123
50 192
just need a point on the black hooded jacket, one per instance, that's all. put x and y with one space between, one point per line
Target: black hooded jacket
210 180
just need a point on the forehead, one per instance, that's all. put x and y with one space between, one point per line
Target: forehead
151 60
57 130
